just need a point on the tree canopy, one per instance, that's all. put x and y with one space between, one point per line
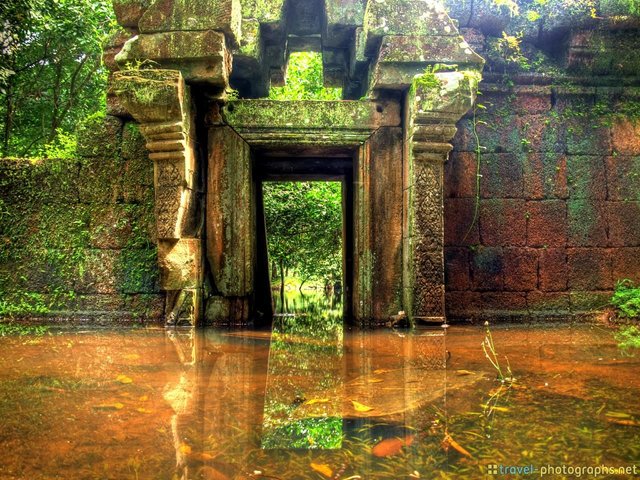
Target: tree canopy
304 228
51 72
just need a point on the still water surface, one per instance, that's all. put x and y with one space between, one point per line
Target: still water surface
311 401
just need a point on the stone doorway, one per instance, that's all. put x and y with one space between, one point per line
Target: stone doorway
304 169
415 77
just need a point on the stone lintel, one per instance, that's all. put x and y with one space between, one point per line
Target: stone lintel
311 115
193 15
201 57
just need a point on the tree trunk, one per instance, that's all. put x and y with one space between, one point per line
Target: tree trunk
282 286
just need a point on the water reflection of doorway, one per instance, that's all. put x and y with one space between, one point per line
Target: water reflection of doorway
295 180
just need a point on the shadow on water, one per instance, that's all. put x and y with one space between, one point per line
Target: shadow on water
313 400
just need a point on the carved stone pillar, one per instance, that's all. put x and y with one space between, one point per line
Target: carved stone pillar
159 100
435 103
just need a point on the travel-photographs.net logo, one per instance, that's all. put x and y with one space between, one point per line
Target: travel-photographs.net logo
576 471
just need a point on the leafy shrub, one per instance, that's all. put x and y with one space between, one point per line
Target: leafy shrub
626 299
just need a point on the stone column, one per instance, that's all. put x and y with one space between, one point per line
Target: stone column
434 103
159 100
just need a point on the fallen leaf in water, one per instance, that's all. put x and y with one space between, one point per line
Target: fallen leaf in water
495 408
143 410
322 469
143 398
360 407
374 380
210 473
624 421
450 442
391 446
463 372
313 401
184 449
109 406
123 379
381 370
618 415
131 356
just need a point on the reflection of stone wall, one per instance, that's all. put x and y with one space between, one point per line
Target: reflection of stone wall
78 235
559 202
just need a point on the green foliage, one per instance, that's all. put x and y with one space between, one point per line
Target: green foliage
51 73
305 80
507 51
304 227
626 299
628 337
12 329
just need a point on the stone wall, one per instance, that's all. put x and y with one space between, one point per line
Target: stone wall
556 220
77 235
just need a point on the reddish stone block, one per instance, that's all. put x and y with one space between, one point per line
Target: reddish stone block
520 269
460 175
540 133
487 266
624 223
502 176
626 137
586 223
626 264
585 137
623 177
552 270
503 222
545 302
459 225
586 177
456 269
537 99
462 304
547 223
545 176
589 269
509 303
589 300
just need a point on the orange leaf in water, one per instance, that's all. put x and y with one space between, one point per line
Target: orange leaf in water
185 449
109 406
391 446
313 401
623 421
450 442
322 469
361 407
210 473
374 380
143 410
462 373
123 379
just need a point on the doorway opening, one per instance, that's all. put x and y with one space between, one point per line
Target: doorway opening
305 237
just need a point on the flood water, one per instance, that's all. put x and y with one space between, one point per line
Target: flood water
311 401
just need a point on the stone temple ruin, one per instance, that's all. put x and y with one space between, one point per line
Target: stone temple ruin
407 77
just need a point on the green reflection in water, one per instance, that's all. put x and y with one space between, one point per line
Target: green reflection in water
305 362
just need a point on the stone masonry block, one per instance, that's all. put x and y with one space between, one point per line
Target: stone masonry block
503 222
585 137
180 263
504 302
545 176
624 223
502 176
547 223
459 225
626 264
549 302
487 265
520 269
623 177
586 177
462 304
456 268
626 137
589 269
460 175
586 223
552 270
